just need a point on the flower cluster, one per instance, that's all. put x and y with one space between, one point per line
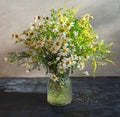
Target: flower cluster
61 43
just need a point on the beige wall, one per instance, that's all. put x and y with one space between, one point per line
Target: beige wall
15 15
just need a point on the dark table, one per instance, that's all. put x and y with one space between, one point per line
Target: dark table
92 97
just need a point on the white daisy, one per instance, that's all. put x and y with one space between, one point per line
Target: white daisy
55 29
65 44
60 69
74 57
64 51
56 46
36 20
58 43
71 25
60 66
66 63
68 39
81 66
64 35
32 26
66 19
54 77
40 43
73 62
79 58
53 49
27 65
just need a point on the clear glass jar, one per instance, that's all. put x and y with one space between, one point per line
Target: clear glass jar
59 93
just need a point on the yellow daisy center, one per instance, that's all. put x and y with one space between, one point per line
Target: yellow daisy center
64 50
67 62
57 43
53 49
68 23
64 42
62 30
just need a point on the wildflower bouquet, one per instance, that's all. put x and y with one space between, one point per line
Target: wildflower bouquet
61 43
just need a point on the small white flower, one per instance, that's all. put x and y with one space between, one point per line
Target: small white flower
81 66
60 66
90 26
66 19
58 58
56 46
61 71
40 43
71 25
75 33
64 51
97 37
54 77
36 18
80 47
32 28
64 23
49 63
37 22
27 65
64 35
72 45
88 57
91 17
66 63
57 43
79 58
68 39
65 44
86 73
83 18
73 62
54 49
55 29
74 57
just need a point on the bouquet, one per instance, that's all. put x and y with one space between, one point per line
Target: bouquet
61 43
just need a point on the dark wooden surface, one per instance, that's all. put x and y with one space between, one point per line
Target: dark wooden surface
26 97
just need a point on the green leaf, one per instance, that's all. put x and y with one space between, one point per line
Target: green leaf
110 45
110 61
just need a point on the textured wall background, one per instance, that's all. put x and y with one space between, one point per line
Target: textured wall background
15 15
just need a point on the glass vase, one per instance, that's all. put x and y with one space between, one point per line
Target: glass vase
59 93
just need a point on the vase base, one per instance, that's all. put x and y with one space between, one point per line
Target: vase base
65 104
